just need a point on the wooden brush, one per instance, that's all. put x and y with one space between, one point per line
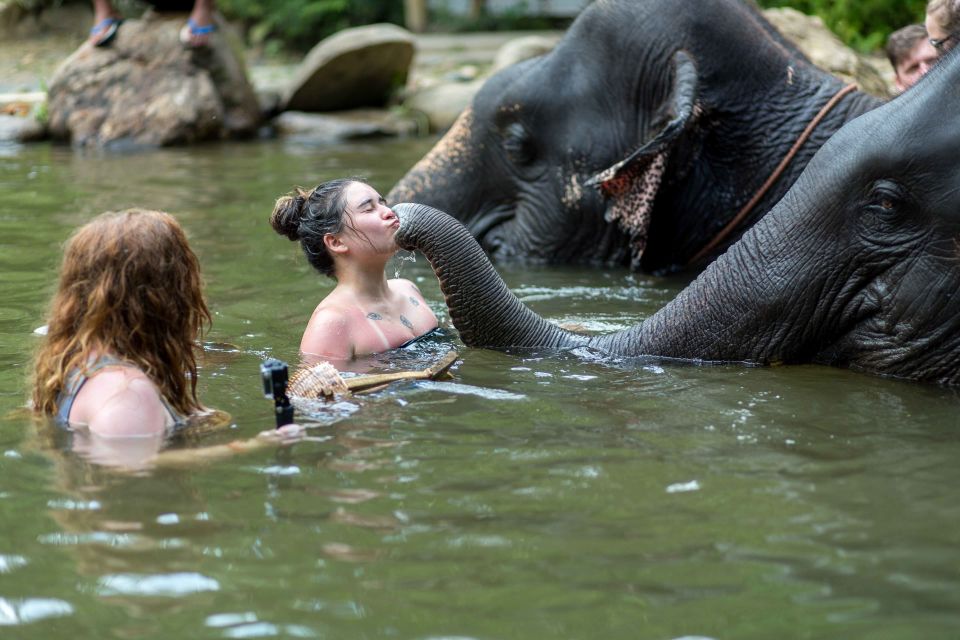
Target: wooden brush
322 380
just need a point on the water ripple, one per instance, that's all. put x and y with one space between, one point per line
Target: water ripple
173 585
74 505
466 389
683 487
279 470
230 619
118 540
11 563
27 610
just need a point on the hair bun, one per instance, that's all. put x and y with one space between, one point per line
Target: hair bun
287 214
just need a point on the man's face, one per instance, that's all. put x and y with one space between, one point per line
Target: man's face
916 63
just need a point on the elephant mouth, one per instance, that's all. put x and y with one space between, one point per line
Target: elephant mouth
482 225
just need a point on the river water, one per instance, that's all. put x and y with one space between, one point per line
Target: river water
556 495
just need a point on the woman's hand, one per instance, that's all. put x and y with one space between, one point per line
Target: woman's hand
285 435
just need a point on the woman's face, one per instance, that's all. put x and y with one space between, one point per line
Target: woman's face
371 222
939 37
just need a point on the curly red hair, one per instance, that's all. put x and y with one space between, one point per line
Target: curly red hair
129 286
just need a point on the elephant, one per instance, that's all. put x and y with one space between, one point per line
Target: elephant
641 139
857 266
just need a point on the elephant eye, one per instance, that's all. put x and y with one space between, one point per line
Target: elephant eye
518 144
887 195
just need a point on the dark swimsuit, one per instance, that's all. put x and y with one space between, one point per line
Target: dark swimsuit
436 331
78 378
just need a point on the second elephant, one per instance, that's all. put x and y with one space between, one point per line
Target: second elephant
640 139
858 265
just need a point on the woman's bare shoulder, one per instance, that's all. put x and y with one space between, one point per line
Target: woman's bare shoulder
121 401
330 332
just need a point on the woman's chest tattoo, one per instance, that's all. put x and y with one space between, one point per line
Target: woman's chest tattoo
403 319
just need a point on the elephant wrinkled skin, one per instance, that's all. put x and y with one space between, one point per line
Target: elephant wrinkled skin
858 265
636 140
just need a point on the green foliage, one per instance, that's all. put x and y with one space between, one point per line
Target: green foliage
300 24
862 24
42 111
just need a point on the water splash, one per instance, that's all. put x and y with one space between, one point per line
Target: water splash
401 257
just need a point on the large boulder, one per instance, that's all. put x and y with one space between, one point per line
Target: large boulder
442 103
441 100
522 49
147 89
358 67
826 50
331 128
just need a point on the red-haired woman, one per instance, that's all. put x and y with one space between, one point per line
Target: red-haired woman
119 355
118 364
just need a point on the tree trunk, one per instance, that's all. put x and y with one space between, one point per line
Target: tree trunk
415 15
477 9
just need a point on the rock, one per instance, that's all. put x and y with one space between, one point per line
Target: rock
441 100
466 73
522 49
269 102
826 50
71 20
441 104
149 90
329 128
20 129
359 67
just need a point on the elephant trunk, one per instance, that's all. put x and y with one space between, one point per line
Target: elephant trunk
487 314
482 307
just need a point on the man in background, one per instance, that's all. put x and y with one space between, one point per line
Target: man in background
910 54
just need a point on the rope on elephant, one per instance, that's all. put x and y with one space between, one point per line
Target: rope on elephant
747 208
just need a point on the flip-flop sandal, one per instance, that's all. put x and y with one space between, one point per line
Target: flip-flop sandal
192 29
108 28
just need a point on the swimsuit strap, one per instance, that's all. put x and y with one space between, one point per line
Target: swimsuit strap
78 377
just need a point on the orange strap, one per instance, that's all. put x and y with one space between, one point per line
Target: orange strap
747 208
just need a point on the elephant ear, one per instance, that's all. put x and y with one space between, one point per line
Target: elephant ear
631 185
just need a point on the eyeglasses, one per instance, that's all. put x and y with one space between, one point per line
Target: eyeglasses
941 44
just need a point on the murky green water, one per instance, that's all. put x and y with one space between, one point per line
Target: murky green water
534 496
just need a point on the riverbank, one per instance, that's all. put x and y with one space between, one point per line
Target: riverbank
446 70
455 61
27 62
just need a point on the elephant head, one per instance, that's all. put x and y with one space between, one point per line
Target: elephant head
858 265
636 140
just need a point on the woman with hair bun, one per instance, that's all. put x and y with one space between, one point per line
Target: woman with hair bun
347 232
